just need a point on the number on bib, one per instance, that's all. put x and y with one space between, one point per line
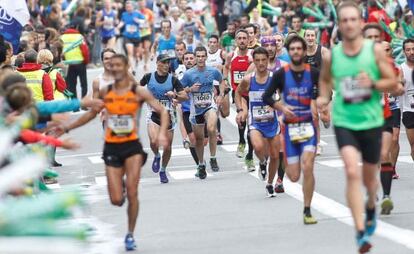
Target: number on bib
121 125
202 100
262 114
131 28
300 132
238 76
352 92
165 103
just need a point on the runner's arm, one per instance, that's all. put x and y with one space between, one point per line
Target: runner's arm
227 65
325 79
276 84
242 88
388 81
99 21
95 88
180 94
84 119
154 48
146 96
252 68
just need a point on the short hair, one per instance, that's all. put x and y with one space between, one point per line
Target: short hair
165 21
260 51
215 36
310 29
406 41
10 79
246 16
348 3
45 56
18 96
255 28
188 53
181 43
371 26
200 49
122 57
188 8
241 31
30 56
107 50
281 17
296 38
297 17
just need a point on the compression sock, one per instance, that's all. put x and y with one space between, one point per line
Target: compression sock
194 154
386 178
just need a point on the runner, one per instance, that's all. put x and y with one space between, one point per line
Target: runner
263 123
236 65
146 31
177 66
164 87
106 20
193 24
106 78
295 82
123 153
252 31
359 69
165 44
199 83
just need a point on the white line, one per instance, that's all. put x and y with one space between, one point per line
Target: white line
53 186
96 159
322 143
184 174
340 212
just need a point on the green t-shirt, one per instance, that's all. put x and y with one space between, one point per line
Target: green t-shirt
227 42
356 108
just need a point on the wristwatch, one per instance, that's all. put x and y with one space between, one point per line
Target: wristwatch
239 110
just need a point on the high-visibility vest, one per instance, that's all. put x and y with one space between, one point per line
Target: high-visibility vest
57 95
71 48
34 81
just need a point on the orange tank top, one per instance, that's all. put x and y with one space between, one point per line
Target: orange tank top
121 111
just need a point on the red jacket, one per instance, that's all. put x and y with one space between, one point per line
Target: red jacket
29 137
83 47
47 85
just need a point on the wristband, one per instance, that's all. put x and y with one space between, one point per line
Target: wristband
239 110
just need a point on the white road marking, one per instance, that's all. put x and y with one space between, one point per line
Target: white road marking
340 212
332 163
229 148
96 159
53 186
406 159
322 143
184 174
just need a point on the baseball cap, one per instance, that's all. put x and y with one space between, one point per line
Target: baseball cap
163 57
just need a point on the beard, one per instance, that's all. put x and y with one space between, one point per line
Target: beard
294 62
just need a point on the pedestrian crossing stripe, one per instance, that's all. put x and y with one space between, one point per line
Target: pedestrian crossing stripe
338 163
229 148
405 158
184 174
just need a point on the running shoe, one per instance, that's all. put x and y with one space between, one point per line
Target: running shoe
240 150
386 206
201 171
250 165
186 144
130 243
219 139
319 150
263 171
309 219
49 180
279 186
370 225
363 243
269 191
163 177
56 164
213 164
326 124
156 164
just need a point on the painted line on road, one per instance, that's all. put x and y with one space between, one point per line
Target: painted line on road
184 174
53 186
340 212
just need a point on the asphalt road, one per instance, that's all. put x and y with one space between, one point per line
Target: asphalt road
228 212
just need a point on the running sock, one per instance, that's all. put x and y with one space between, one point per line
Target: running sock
307 211
194 154
212 157
370 213
360 234
158 155
218 125
263 162
281 169
163 169
241 133
249 155
386 178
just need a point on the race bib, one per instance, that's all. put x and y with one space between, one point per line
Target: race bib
108 23
300 132
410 97
121 125
131 29
238 76
169 52
202 100
392 99
166 103
352 92
262 114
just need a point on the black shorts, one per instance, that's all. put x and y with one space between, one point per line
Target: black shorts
368 142
155 118
115 154
396 118
408 120
146 38
106 39
388 125
133 41
188 126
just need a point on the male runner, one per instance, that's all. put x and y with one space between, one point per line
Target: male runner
177 67
236 65
263 123
106 20
359 69
164 87
106 78
199 83
165 44
295 82
252 31
123 153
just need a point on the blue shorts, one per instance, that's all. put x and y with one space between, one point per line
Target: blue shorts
293 151
267 131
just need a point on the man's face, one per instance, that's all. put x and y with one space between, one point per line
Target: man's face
260 61
250 31
179 50
296 52
244 21
231 29
141 4
241 40
189 61
271 49
201 58
373 34
296 24
40 37
212 44
165 28
282 22
310 37
189 14
107 4
409 52
279 42
129 7
163 66
107 60
350 23
119 69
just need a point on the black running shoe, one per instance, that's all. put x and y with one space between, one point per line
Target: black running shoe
269 191
202 174
213 164
263 171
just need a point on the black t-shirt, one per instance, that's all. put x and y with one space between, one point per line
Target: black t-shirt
278 83
177 86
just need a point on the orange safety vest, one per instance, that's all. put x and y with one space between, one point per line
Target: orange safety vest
121 111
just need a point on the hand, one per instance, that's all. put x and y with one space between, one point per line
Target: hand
96 104
241 118
195 87
288 111
12 117
162 140
68 144
58 130
399 90
322 105
170 94
219 100
364 80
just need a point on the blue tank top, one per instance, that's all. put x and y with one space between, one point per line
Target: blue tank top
277 66
108 26
260 114
166 46
192 26
298 95
131 29
159 90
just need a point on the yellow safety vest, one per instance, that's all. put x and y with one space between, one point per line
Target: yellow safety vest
34 81
71 48
56 94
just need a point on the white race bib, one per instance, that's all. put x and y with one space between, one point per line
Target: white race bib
262 114
410 97
121 125
300 132
352 92
238 76
166 103
131 29
169 52
202 100
108 23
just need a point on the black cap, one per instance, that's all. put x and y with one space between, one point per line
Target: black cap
164 57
